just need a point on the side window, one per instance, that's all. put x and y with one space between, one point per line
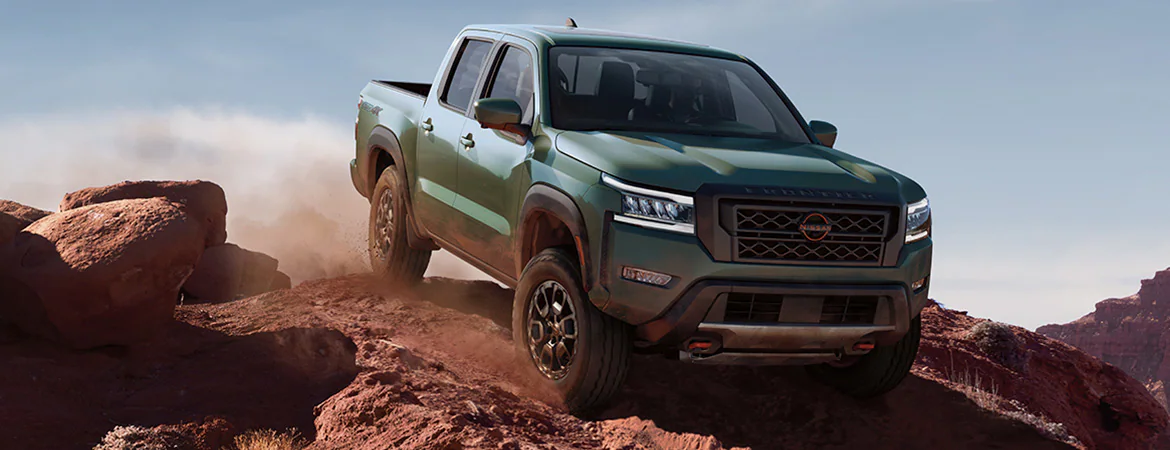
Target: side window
461 81
513 79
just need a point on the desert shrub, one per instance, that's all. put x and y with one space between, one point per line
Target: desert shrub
134 437
1000 343
269 440
120 438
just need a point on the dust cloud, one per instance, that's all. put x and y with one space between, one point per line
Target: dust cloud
287 181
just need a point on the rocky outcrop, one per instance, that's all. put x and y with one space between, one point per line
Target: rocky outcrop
1132 333
9 227
14 217
205 201
103 274
25 213
228 272
1056 384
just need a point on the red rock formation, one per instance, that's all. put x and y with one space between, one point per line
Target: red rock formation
205 201
25 213
9 227
103 274
1097 403
15 217
1132 333
227 272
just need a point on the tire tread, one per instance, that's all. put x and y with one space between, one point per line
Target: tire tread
607 361
406 264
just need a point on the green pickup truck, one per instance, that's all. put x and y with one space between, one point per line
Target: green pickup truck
645 195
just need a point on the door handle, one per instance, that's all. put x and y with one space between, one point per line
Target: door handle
427 126
467 141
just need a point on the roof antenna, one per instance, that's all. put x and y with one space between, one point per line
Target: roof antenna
570 23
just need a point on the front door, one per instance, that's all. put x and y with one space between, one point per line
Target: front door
491 166
438 135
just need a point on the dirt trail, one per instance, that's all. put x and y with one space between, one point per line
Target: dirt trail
352 365
441 372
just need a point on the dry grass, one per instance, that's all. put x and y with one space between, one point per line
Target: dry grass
269 440
987 397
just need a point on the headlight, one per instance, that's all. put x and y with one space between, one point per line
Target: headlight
918 221
653 209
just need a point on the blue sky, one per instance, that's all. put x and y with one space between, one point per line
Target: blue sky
1039 128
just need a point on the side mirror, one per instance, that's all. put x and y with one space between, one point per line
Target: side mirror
825 131
498 113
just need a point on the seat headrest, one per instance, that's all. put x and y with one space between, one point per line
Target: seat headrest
617 81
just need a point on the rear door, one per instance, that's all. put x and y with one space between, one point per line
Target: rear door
443 117
491 170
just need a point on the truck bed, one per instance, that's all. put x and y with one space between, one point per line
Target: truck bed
416 89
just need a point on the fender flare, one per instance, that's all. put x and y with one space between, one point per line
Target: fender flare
383 140
543 198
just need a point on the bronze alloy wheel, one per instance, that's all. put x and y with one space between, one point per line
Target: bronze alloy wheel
552 329
384 224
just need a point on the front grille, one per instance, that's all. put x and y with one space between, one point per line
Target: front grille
767 233
849 309
834 309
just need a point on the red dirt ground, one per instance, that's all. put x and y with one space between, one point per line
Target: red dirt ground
350 365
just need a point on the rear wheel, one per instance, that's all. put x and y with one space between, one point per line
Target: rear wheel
391 256
876 372
582 351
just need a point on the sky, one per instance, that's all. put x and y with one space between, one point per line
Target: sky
1038 128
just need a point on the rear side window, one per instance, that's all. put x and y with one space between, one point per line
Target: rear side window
468 65
513 79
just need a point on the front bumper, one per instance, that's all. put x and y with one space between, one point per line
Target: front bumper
691 307
795 337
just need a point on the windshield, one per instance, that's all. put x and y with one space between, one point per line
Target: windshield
637 90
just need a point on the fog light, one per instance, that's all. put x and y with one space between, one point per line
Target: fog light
918 285
645 276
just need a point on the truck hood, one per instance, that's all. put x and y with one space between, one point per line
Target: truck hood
686 162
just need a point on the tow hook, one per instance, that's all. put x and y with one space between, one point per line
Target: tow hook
698 347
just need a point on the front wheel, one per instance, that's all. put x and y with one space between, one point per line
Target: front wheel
391 256
876 372
579 349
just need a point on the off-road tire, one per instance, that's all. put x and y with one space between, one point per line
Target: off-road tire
603 344
876 372
396 262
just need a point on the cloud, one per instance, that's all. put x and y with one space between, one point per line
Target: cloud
287 181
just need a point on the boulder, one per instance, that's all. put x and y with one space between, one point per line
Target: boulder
205 201
25 213
104 274
9 227
280 281
227 272
14 217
